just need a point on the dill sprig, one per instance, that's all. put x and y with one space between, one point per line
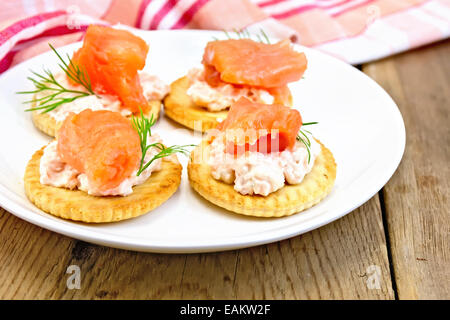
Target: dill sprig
48 82
303 137
143 127
245 34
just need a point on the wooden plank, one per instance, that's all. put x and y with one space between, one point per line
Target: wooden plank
32 259
34 264
331 262
417 197
210 276
334 262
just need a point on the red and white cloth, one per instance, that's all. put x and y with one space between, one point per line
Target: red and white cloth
355 31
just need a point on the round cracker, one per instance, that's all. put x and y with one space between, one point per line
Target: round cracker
179 107
284 202
47 124
78 205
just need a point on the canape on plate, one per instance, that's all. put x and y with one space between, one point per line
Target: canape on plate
102 167
104 74
232 69
262 162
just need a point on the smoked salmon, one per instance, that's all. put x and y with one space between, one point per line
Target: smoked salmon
111 59
101 144
260 127
247 62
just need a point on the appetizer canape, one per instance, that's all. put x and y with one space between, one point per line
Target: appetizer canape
232 69
101 75
103 167
260 161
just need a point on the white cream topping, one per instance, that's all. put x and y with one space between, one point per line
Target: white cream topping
56 173
223 96
259 173
153 89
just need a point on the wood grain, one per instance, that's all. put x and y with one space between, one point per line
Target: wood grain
417 196
330 263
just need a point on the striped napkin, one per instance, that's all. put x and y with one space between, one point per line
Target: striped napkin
355 31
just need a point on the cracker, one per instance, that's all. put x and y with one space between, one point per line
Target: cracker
78 205
179 107
47 124
284 202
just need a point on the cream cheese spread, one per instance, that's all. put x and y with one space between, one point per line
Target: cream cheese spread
223 96
260 173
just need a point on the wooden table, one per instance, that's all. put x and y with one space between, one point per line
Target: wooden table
396 246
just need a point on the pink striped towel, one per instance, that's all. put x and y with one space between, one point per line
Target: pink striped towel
355 31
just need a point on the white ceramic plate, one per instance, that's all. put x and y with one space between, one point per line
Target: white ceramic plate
359 123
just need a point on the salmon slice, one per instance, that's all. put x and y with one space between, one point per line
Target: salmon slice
112 59
101 144
281 95
247 62
260 127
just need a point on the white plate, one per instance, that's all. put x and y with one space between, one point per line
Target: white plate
359 123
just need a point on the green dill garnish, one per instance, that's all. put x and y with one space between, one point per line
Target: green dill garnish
238 33
143 127
245 34
309 123
303 137
265 36
47 82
